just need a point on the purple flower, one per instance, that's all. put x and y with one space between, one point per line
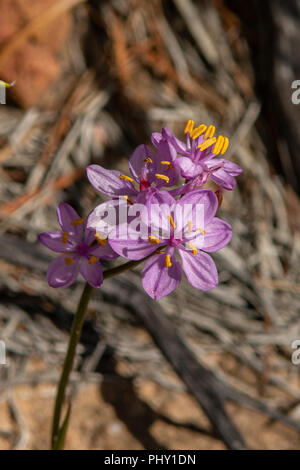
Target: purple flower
81 249
148 170
198 160
162 272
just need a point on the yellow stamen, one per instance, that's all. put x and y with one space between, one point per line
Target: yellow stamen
190 225
225 145
207 143
165 162
160 252
162 177
148 160
209 132
125 177
93 259
198 131
189 126
201 231
5 84
168 263
100 239
69 261
65 237
193 248
218 145
128 200
153 240
171 221
77 222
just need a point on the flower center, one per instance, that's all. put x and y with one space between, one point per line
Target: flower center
144 184
174 242
82 249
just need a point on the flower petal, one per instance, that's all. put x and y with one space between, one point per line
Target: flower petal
106 216
89 234
108 182
217 234
53 241
138 167
214 164
188 169
103 252
179 146
232 168
157 211
133 249
179 191
197 207
66 215
223 179
61 275
156 137
166 153
92 273
200 269
159 280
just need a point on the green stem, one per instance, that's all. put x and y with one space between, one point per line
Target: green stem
69 359
73 341
123 267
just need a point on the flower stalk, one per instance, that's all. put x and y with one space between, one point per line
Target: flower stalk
68 363
57 437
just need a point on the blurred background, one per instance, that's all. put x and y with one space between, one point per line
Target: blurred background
93 79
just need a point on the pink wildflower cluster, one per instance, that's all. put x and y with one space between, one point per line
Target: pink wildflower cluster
163 198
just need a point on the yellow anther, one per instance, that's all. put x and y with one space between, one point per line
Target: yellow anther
198 131
201 231
168 263
171 221
190 225
207 143
162 177
128 200
193 248
225 145
65 237
93 259
209 132
148 160
125 177
77 222
101 240
153 240
169 164
218 145
189 126
69 261
5 84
